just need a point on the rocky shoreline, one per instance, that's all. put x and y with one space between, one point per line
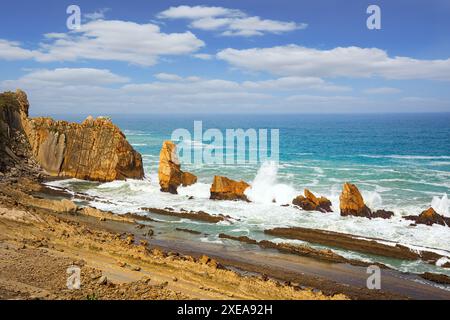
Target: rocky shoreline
47 236
127 257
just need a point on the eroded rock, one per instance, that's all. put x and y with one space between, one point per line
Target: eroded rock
94 150
430 217
352 204
227 189
188 179
310 202
169 171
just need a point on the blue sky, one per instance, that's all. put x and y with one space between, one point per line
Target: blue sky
227 56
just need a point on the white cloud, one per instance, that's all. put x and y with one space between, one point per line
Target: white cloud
11 50
85 91
66 77
231 22
203 56
121 41
382 90
295 83
197 12
113 40
101 91
351 62
168 77
96 15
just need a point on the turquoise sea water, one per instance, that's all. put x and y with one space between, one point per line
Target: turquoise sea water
399 162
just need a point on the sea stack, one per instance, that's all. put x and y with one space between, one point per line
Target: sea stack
169 171
94 150
430 217
309 202
352 204
227 189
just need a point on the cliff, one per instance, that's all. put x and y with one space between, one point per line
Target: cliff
94 150
15 151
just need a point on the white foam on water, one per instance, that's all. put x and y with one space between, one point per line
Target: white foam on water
197 190
262 213
407 157
441 205
442 261
139 144
266 189
372 199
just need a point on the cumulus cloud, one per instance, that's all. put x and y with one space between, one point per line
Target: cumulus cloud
114 40
351 62
230 22
66 77
12 50
86 90
121 41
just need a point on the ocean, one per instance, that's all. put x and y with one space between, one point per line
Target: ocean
400 162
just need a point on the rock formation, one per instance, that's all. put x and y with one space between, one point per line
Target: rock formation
227 189
15 151
352 204
169 171
310 202
188 179
94 150
430 217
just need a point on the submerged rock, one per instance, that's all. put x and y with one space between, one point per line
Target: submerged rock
352 204
384 214
227 189
310 202
430 217
169 171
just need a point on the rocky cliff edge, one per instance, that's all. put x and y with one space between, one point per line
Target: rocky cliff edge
93 150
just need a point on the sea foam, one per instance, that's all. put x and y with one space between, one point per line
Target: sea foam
266 189
441 205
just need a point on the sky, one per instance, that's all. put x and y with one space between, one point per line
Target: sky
248 56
